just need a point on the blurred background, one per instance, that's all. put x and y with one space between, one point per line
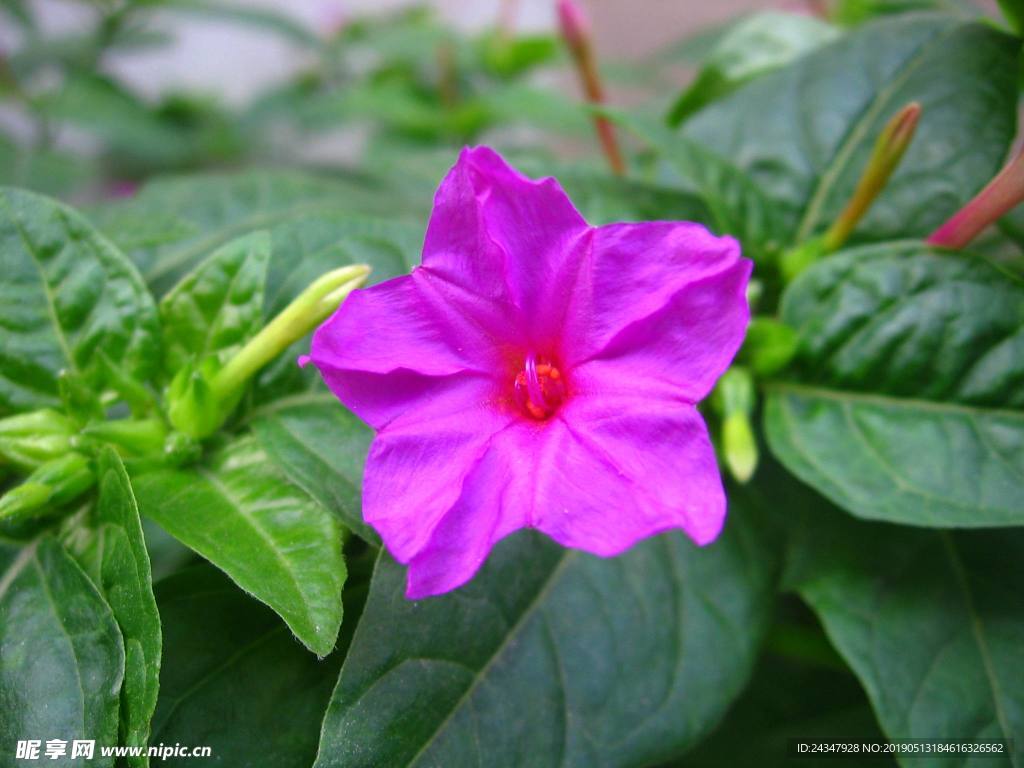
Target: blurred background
97 96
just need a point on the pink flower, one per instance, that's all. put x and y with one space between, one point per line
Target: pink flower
537 372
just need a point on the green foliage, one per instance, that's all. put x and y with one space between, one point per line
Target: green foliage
234 679
540 660
804 133
908 406
110 547
67 294
757 45
273 541
888 378
63 658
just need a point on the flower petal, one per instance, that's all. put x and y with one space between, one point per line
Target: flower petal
662 306
503 236
391 348
628 468
465 535
416 469
600 476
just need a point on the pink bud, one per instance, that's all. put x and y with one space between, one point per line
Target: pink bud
998 197
574 23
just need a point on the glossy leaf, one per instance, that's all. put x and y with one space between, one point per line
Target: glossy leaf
553 657
321 447
910 400
108 543
66 295
955 599
61 655
804 133
756 45
274 541
234 679
736 205
219 305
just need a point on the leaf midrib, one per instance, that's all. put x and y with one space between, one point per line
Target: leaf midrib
566 556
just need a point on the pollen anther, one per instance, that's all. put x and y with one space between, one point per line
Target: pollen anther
539 387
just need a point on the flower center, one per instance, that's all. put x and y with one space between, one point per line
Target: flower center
540 387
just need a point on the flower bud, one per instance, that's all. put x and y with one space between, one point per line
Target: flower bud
574 25
1001 194
734 398
131 437
30 439
201 397
889 148
53 484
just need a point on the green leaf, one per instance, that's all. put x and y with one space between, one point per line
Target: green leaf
61 656
174 223
67 294
553 657
219 305
756 45
233 677
603 198
112 550
736 205
910 400
1013 10
932 623
268 536
321 447
804 133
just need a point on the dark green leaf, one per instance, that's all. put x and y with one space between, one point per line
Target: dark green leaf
321 447
66 294
553 657
234 679
932 623
910 404
805 132
735 203
756 45
219 305
110 546
61 656
1013 10
268 536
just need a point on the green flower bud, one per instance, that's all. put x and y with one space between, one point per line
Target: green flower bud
30 439
52 485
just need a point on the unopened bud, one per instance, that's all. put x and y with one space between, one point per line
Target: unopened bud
734 399
889 148
574 25
53 484
1001 194
30 439
201 397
